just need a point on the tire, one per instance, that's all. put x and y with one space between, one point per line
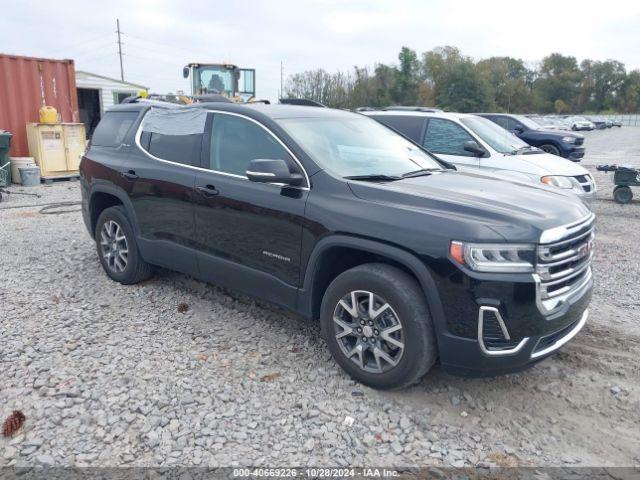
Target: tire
552 149
406 307
622 194
117 248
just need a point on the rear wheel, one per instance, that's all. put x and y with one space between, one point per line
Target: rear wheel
552 149
622 194
376 322
117 248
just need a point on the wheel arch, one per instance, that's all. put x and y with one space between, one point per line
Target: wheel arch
337 253
103 196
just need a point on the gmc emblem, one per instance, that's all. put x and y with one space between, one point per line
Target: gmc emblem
584 250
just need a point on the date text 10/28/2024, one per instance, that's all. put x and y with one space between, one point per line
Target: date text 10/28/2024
312 472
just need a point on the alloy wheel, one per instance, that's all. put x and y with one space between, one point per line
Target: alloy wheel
368 331
113 245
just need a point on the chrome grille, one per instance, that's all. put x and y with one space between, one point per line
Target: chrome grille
586 182
564 264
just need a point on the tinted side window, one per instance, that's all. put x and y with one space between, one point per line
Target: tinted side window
112 129
405 124
512 124
502 121
444 136
183 149
235 141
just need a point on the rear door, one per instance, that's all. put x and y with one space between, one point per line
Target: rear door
249 234
446 139
159 178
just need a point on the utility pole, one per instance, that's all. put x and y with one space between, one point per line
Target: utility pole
281 76
119 49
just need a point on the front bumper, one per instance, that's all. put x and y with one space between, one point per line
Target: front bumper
501 323
574 153
467 358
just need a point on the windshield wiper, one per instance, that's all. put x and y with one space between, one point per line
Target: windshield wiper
421 172
375 177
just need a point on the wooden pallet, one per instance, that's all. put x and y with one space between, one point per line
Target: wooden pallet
58 178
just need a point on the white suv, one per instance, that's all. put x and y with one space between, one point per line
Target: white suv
475 142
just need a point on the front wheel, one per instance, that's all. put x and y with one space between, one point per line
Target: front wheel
376 323
622 194
552 149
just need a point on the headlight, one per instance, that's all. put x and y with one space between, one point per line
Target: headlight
494 257
557 181
569 139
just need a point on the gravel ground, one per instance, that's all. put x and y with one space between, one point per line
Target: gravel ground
116 375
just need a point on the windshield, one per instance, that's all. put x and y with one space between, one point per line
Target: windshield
355 145
501 140
214 79
527 122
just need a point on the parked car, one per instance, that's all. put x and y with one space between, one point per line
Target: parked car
472 141
328 213
580 123
599 122
551 123
542 122
616 123
563 144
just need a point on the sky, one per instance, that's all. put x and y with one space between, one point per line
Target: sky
160 37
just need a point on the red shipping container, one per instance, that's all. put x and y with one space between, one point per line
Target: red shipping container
26 85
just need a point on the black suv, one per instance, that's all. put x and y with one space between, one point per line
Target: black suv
332 215
564 144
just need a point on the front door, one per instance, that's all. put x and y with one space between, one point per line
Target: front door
249 234
446 139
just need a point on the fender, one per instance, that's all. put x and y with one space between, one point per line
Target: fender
102 186
407 259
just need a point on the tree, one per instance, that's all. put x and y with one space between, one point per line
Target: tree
601 84
629 99
407 80
558 79
507 83
458 86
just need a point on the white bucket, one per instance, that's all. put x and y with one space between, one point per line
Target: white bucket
16 163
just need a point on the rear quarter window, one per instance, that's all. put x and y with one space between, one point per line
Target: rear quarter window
183 149
113 128
407 125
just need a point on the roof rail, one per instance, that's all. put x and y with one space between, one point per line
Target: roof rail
305 102
412 109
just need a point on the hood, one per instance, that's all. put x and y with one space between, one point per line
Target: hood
517 211
541 164
559 133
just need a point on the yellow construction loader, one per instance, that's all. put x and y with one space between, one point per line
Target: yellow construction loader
228 80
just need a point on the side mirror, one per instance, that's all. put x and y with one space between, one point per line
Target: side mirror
185 72
517 130
473 147
272 171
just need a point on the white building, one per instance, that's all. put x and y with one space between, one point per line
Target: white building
97 93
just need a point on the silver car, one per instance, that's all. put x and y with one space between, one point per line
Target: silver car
474 142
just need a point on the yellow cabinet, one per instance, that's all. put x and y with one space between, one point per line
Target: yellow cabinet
74 143
56 147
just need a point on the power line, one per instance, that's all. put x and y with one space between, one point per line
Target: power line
82 44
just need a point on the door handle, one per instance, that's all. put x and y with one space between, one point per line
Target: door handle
130 175
208 190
